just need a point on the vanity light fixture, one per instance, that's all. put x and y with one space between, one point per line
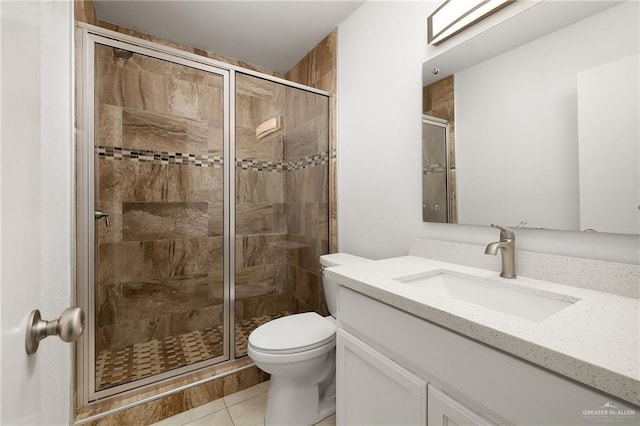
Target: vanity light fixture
454 16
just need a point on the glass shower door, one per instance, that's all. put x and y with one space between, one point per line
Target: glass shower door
281 202
159 292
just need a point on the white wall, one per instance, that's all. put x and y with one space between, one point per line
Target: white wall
381 47
380 50
516 129
608 134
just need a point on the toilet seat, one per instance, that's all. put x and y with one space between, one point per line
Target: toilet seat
293 334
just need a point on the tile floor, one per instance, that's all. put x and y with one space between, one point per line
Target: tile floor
244 408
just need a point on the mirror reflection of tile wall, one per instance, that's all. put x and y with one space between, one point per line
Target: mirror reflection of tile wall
438 101
435 207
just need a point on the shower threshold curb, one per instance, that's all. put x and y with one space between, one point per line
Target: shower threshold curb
160 395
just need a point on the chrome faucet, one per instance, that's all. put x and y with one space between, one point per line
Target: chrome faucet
507 245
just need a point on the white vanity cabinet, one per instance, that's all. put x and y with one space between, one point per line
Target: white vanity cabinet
394 368
380 391
446 411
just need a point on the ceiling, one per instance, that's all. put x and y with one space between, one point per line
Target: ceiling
271 34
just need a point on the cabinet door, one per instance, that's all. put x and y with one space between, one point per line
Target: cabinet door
445 411
373 390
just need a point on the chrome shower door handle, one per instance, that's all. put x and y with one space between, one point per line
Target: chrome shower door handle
68 327
97 214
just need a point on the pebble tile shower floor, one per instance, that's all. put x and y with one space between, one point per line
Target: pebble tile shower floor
159 355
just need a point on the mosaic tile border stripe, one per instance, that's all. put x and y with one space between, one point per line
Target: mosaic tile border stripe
184 159
258 165
116 367
310 161
158 157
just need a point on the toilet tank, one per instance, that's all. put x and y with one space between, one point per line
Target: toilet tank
330 287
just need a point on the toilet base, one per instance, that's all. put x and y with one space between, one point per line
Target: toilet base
327 408
292 403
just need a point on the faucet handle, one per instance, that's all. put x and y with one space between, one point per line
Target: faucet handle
505 233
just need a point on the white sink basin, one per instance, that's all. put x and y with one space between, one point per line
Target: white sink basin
506 297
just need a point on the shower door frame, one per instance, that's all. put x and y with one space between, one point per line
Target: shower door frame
86 37
86 235
444 124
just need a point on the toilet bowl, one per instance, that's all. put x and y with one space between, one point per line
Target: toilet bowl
299 353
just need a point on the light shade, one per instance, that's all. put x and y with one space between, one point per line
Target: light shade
454 16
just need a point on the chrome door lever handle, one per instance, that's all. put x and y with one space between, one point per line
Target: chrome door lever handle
68 327
97 214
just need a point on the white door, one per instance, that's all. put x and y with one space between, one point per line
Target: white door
35 206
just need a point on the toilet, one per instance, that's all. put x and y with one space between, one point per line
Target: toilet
299 353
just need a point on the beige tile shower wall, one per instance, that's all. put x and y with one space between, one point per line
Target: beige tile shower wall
307 185
160 262
260 209
84 11
307 216
311 191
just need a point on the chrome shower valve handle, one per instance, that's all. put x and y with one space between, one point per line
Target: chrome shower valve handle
100 214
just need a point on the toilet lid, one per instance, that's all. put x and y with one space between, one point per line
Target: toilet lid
293 333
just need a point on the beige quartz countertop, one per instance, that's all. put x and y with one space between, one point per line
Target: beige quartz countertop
595 341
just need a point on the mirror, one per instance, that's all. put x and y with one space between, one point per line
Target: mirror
545 134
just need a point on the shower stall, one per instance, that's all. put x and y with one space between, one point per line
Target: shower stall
202 209
436 167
